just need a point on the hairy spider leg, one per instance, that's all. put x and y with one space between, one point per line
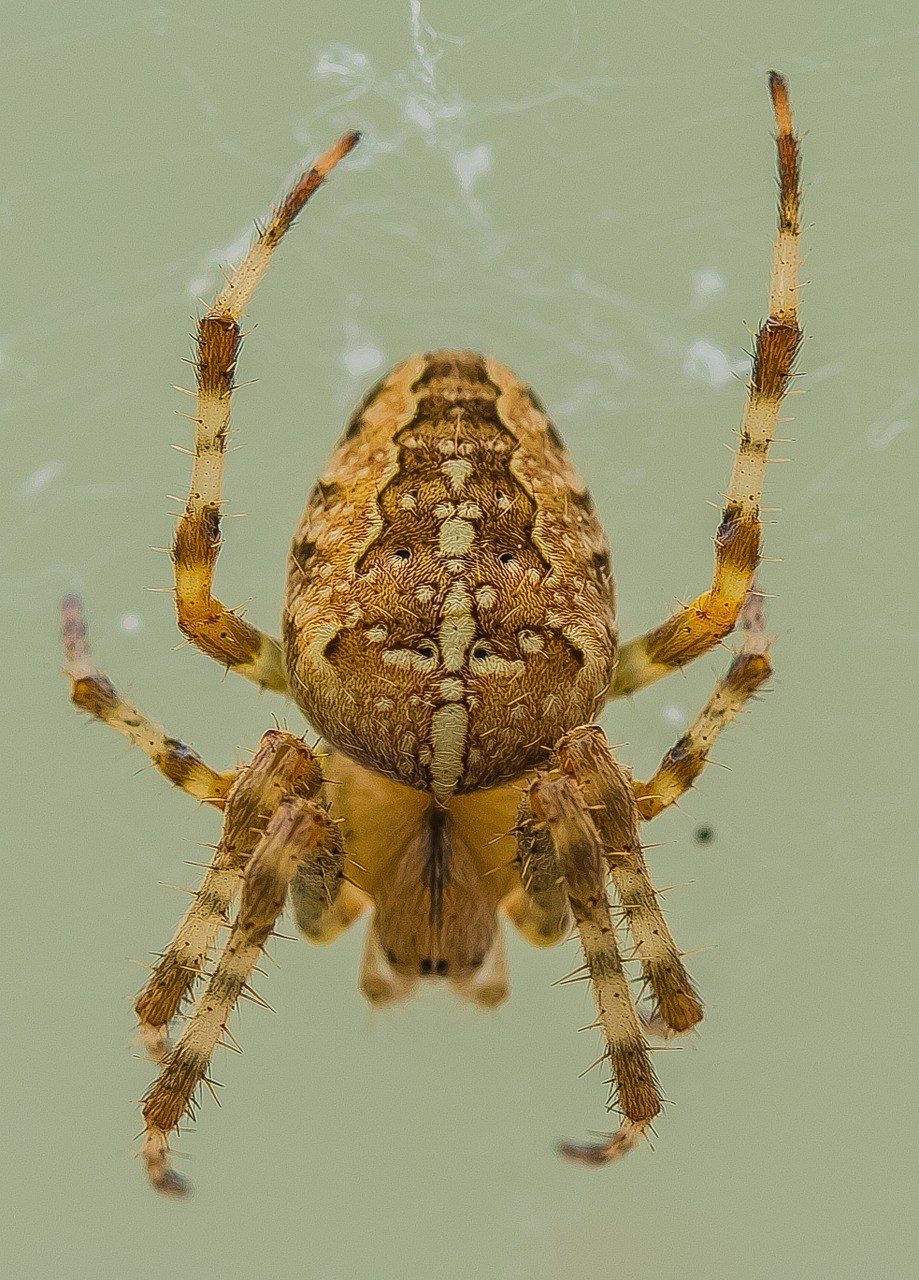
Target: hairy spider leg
686 759
295 832
585 755
699 626
282 765
558 804
93 692
220 632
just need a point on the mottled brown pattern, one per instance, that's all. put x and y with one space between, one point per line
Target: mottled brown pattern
372 574
449 627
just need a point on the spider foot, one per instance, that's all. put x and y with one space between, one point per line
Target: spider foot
657 1028
154 1040
162 1176
626 1138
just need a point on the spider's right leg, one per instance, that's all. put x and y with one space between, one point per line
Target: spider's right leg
585 755
699 626
558 806
748 672
539 908
216 630
283 765
92 691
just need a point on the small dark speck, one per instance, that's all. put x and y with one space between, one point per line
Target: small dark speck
704 835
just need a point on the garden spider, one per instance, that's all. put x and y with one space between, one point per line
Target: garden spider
449 628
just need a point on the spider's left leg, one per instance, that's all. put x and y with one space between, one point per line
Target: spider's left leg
698 627
283 765
297 834
218 631
92 691
686 759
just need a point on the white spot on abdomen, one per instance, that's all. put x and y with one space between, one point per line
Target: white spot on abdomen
448 735
457 630
455 537
457 472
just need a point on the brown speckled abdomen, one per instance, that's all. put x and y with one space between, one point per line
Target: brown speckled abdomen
449 609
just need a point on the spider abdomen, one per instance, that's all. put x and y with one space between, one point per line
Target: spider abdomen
450 609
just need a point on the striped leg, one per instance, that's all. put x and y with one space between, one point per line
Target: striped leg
539 909
584 754
558 804
92 691
283 765
294 833
323 902
218 631
699 626
686 759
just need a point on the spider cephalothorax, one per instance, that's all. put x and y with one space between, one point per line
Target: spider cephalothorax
449 628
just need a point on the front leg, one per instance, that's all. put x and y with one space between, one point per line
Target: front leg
702 624
218 631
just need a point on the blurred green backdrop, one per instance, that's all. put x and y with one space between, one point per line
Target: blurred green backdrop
585 191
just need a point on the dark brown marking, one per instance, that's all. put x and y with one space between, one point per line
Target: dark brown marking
777 344
218 346
294 201
437 867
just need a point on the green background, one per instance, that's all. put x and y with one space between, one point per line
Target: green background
586 192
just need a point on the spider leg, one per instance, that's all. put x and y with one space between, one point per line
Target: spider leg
283 765
558 804
699 626
296 831
585 755
686 759
92 691
216 630
323 901
539 908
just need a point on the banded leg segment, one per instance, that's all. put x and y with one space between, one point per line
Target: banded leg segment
558 804
686 759
323 902
539 909
283 765
294 833
92 691
585 755
699 626
216 630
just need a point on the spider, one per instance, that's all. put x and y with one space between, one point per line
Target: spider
449 629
